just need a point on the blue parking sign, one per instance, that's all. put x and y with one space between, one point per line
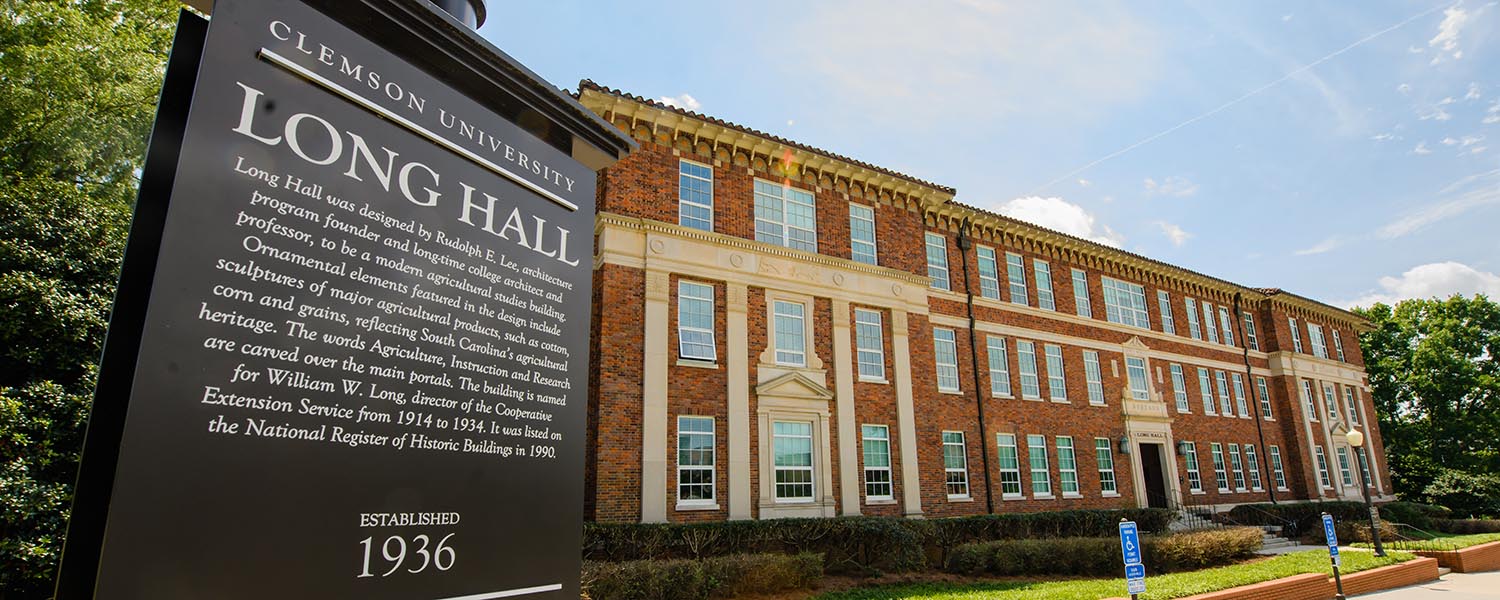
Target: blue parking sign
1130 542
1328 532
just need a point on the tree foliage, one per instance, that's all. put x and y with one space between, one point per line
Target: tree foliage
1435 380
78 86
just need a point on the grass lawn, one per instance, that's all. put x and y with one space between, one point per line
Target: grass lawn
1174 585
1443 541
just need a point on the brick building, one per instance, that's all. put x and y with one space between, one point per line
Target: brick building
782 331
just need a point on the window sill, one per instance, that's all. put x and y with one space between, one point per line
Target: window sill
695 507
958 392
1098 404
1110 494
878 380
1062 401
879 501
1003 396
697 364
1197 492
1012 497
1281 489
960 498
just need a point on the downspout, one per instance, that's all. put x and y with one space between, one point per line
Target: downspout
1265 465
964 244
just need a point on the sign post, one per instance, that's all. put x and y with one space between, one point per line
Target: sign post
1333 552
1130 549
349 357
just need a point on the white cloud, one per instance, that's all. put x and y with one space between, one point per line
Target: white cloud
1404 88
1084 182
1435 112
1447 38
1440 279
1466 194
1414 49
1173 185
1421 148
1320 247
1062 216
1473 93
1286 18
1492 114
1386 137
1464 142
1174 233
684 101
966 60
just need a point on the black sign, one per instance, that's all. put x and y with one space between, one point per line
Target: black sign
362 368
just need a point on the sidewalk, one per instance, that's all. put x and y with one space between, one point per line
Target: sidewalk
1453 586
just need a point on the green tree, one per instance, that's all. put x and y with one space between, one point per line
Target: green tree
1435 379
78 86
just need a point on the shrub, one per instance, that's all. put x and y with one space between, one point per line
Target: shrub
1300 518
1351 532
860 545
1415 514
1468 494
685 579
1467 526
1100 556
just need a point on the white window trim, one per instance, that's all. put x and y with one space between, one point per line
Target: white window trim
1021 364
1140 316
1179 389
1325 478
1194 468
1227 325
1164 307
944 283
874 234
1107 449
1251 338
812 469
1252 464
1210 326
713 476
1145 378
1278 469
1221 469
1083 305
1073 449
889 473
1057 383
783 224
1195 330
1296 337
1003 374
963 445
1237 463
1046 468
1241 402
878 350
711 190
1206 390
938 365
993 279
1046 297
712 307
1015 277
1093 375
1015 448
1263 395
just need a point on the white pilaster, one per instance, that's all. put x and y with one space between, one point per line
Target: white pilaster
738 395
906 422
654 400
843 377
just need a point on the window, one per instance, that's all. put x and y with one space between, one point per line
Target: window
1238 467
1081 293
1253 461
999 365
1094 377
1208 323
1346 475
1164 306
1352 404
1057 384
1041 479
1265 398
1315 335
1205 390
1227 324
937 260
791 339
1250 338
695 320
1031 389
945 354
1192 317
1135 373
1015 273
1278 473
1307 400
695 460
1103 455
1043 272
869 344
1067 466
877 446
785 216
792 444
1239 395
989 273
1179 389
1190 453
862 233
1338 345
695 195
1125 303
1221 477
1323 479
1296 337
955 465
1331 401
1010 466
1221 383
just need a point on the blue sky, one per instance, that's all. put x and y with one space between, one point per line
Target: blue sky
1349 152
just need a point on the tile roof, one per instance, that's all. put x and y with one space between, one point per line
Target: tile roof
589 84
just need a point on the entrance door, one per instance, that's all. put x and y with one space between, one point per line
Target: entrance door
1156 485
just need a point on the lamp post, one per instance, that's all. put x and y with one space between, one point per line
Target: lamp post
1357 440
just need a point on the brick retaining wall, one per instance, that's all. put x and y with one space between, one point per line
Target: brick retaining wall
1484 557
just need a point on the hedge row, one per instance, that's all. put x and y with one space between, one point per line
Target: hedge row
1100 556
853 544
1467 526
1416 514
1298 517
716 577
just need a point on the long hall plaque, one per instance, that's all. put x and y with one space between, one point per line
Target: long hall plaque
361 370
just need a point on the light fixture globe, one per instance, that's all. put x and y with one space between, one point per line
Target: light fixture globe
1355 438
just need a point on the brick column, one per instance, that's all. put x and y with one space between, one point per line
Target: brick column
906 422
654 399
737 361
843 376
